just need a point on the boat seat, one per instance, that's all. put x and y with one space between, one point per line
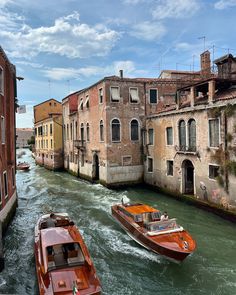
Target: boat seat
75 258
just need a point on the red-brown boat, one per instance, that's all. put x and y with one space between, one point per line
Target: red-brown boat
63 263
22 166
142 223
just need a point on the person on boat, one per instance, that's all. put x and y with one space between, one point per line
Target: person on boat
164 216
51 221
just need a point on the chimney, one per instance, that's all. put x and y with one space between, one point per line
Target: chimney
121 74
205 63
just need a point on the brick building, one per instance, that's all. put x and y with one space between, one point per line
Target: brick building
193 145
22 137
8 195
48 134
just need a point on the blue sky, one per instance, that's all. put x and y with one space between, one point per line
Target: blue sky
60 46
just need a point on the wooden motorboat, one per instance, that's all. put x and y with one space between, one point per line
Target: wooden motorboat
143 224
22 166
63 263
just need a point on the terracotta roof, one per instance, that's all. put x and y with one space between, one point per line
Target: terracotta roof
139 209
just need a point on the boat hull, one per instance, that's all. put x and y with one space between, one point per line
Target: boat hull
149 243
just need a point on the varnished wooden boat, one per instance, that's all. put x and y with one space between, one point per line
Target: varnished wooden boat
63 263
143 224
23 166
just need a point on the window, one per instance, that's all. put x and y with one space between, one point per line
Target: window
134 130
153 95
169 136
5 184
51 144
115 94
46 143
214 133
87 102
126 160
81 104
150 165
150 136
67 132
101 131
82 132
133 95
76 129
35 131
3 129
213 171
71 131
51 129
182 135
87 131
13 176
1 81
64 132
115 130
46 129
100 95
170 165
192 135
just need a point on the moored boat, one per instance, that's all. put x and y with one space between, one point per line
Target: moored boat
164 237
63 263
22 166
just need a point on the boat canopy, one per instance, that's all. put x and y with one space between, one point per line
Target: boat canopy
140 209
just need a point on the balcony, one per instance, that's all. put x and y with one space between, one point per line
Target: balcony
79 144
182 149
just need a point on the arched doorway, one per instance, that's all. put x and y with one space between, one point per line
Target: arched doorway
187 177
95 167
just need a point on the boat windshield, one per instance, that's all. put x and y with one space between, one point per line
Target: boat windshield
64 255
162 225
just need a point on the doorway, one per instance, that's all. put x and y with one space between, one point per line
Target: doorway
95 167
188 177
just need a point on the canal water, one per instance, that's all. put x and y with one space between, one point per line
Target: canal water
124 267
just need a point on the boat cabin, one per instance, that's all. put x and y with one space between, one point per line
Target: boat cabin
140 213
60 249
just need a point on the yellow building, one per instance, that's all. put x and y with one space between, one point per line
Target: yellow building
48 134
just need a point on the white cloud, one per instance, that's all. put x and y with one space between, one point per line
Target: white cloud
134 2
3 3
148 31
175 9
224 4
67 37
72 73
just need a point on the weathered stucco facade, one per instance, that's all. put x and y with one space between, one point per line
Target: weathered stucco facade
48 135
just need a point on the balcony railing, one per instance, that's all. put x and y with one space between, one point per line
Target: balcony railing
79 144
186 149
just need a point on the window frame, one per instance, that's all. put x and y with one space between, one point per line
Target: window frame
3 130
153 103
151 144
100 138
209 138
167 167
115 141
130 128
5 187
100 90
213 165
2 81
115 101
148 159
130 100
87 132
170 127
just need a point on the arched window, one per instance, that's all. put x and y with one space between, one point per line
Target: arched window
115 130
67 131
192 135
134 130
101 131
71 131
87 131
182 135
82 132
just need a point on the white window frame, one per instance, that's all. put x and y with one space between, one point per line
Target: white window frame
169 160
3 130
172 136
116 141
5 188
139 135
213 147
81 104
133 102
148 158
153 103
86 103
1 81
210 164
100 91
118 100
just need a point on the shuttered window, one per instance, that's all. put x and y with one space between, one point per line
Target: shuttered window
153 95
192 135
182 135
214 133
115 94
133 95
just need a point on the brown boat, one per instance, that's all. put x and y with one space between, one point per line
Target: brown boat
23 166
63 263
143 224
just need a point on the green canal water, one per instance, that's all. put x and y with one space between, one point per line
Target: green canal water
124 267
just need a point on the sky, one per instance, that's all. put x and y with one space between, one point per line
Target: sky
62 46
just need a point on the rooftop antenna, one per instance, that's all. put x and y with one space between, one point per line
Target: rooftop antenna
204 41
49 88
